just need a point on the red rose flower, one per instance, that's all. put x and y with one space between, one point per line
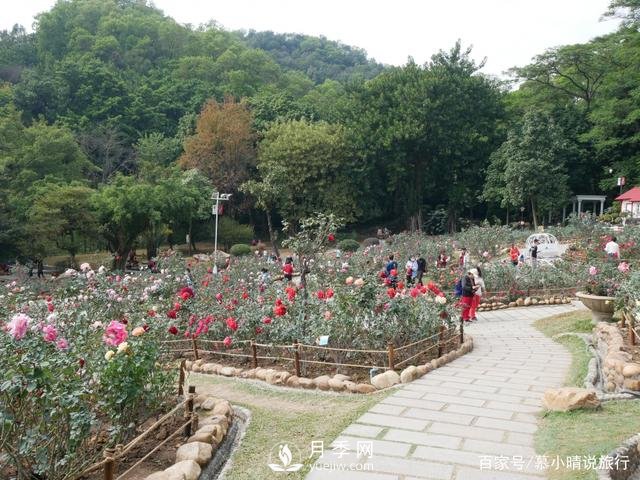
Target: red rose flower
320 294
394 272
219 297
415 292
151 313
328 293
173 330
391 292
50 307
227 341
177 306
331 237
232 324
279 310
266 320
245 295
172 314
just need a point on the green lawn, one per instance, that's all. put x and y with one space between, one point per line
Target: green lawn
582 432
283 415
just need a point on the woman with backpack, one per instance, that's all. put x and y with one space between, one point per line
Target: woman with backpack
477 298
468 292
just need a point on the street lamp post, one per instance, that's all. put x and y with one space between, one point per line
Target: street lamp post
218 197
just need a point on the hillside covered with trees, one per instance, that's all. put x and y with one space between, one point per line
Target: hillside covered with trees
116 123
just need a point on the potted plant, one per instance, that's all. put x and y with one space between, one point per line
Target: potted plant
602 287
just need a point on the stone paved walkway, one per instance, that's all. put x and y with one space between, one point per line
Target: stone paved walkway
479 410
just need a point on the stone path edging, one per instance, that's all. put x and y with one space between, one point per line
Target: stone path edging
477 410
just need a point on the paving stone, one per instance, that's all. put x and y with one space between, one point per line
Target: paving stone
379 447
440 416
525 417
466 432
412 402
508 425
392 421
388 409
331 474
455 399
467 473
491 396
408 393
497 448
513 407
363 430
516 438
480 412
459 457
417 468
419 438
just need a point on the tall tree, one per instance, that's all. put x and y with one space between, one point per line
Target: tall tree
529 167
222 147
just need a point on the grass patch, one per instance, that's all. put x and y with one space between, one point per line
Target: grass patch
586 432
296 417
581 432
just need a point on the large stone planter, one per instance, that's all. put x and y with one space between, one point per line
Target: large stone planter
602 308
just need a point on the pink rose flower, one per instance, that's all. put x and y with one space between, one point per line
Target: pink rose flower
623 267
49 333
62 344
593 270
115 334
18 325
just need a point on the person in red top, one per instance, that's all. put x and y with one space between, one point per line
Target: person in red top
287 268
514 254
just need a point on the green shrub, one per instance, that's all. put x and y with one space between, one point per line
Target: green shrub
231 232
240 249
348 245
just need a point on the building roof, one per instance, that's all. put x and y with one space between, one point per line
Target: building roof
632 195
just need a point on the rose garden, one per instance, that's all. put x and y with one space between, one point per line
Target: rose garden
94 357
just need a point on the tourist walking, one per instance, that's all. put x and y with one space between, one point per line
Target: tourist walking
287 269
477 298
468 291
409 266
534 254
514 254
613 249
463 261
442 260
40 268
422 269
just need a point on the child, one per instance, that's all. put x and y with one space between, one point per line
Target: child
477 298
409 268
514 254
468 291
265 276
287 269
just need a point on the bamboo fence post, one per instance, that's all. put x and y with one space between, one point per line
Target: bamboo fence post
441 340
181 378
254 354
110 464
390 355
195 348
296 356
632 335
624 318
461 331
189 410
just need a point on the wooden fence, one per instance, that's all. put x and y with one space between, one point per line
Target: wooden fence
111 456
298 354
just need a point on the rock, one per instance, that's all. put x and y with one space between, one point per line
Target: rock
200 361
223 408
261 373
434 364
631 370
409 374
569 398
610 387
336 385
248 373
196 368
293 381
385 380
216 431
199 452
322 382
187 365
340 376
519 302
208 404
349 385
513 304
534 301
158 476
307 383
210 368
365 388
185 470
227 371
422 369
214 420
204 437
527 301
632 384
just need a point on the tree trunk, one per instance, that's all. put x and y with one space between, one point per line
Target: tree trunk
120 259
533 215
272 234
507 224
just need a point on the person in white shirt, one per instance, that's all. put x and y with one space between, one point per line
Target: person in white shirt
612 248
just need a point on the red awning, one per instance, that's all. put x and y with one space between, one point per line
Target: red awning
632 195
